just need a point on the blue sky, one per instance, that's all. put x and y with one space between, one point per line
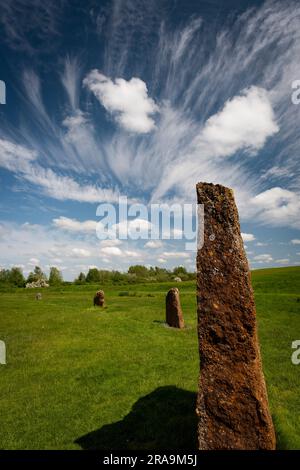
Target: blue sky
144 98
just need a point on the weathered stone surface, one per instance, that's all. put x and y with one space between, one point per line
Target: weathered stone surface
99 298
174 315
232 403
38 296
39 283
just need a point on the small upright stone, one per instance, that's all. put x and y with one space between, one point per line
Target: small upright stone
174 315
38 296
99 298
232 403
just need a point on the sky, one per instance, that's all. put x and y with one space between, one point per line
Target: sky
143 99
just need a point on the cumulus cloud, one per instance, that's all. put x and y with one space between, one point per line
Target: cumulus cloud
111 242
175 254
282 261
295 241
132 228
33 262
263 258
153 244
276 206
73 225
111 250
128 100
248 237
244 123
116 251
80 253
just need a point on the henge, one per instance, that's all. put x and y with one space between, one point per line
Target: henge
232 404
174 315
99 298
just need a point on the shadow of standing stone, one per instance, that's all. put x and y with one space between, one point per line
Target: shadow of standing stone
163 419
232 403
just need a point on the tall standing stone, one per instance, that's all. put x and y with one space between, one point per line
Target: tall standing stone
99 298
232 403
174 315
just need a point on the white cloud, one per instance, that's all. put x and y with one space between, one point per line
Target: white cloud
80 253
245 122
21 161
248 237
14 157
282 261
111 250
175 254
55 261
153 244
276 206
66 188
161 260
129 228
73 225
264 258
33 262
71 80
116 251
23 22
75 125
128 100
295 241
111 242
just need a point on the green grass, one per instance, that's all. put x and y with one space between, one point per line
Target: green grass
84 377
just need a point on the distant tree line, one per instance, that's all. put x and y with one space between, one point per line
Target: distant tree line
138 273
14 276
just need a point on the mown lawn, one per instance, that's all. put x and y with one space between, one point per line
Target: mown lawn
83 377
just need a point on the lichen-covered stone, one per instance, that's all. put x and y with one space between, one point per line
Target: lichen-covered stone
99 298
232 403
174 316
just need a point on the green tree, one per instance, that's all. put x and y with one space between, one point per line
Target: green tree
179 271
55 277
16 277
138 270
93 276
162 274
4 276
36 275
117 277
80 279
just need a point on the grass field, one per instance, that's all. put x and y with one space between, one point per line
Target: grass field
81 377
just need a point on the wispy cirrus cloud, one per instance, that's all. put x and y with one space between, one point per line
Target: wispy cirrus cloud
23 162
225 113
26 24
